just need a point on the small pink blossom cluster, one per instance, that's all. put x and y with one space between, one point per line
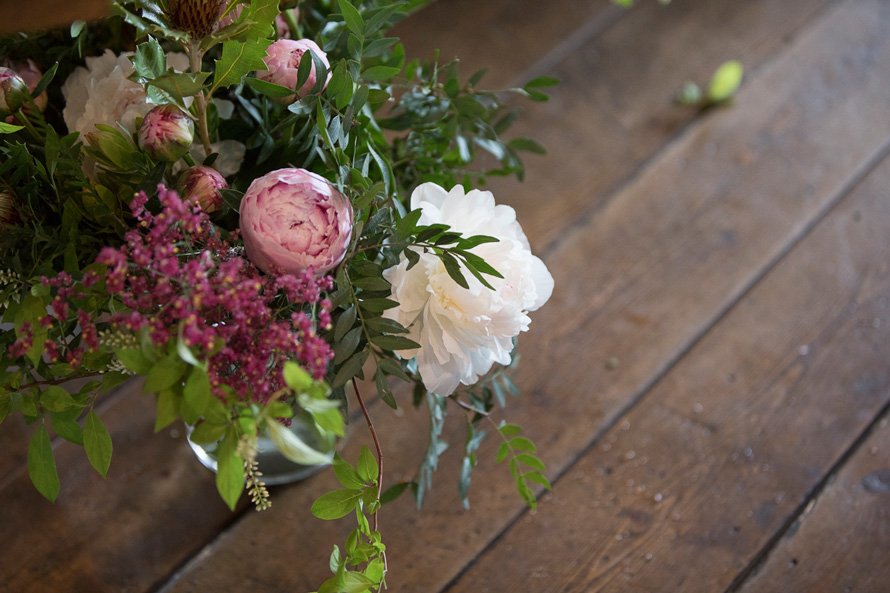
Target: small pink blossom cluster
57 346
177 276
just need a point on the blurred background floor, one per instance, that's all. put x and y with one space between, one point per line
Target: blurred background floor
709 384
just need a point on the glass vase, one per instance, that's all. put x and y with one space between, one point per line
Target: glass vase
275 467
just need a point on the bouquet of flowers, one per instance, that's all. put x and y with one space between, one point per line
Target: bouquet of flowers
250 204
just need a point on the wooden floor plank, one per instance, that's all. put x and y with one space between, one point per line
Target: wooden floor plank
671 253
685 491
841 542
615 108
156 508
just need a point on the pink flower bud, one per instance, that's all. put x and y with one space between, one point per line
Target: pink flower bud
283 61
31 74
292 219
202 184
281 23
13 90
166 133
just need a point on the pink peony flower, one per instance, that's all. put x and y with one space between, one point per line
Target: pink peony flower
292 219
166 133
283 61
202 184
13 90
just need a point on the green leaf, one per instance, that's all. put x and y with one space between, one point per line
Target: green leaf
503 452
168 403
527 144
237 60
207 433
372 283
336 504
509 430
385 325
292 447
367 466
149 61
352 17
531 461
378 73
453 268
196 395
391 367
56 399
181 84
537 478
4 406
393 492
394 343
66 426
229 471
6 128
344 323
42 466
97 443
542 81
345 347
725 82
296 377
383 389
269 89
347 475
522 444
163 374
350 368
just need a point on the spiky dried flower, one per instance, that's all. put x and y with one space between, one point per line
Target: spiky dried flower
8 213
200 18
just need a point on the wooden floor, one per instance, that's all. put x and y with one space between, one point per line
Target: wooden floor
735 264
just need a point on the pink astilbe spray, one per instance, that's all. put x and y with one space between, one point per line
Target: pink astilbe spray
178 276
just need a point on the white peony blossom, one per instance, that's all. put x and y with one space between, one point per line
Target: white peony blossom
101 93
463 332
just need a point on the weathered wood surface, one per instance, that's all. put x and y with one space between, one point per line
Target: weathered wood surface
841 541
18 16
642 272
723 451
614 109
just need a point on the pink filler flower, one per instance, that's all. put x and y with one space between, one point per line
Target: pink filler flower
292 219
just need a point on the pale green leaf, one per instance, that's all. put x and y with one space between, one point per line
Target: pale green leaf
42 466
97 443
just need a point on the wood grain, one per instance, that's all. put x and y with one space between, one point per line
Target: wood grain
683 493
672 252
46 14
841 541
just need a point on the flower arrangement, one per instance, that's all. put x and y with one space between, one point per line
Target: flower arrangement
251 204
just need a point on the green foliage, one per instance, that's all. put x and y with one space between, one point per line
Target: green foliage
722 88
363 550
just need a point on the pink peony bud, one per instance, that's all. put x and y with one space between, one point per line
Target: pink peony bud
202 184
292 219
281 23
166 133
31 74
13 90
283 61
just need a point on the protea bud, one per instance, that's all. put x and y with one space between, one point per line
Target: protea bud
198 17
202 184
9 216
13 90
166 133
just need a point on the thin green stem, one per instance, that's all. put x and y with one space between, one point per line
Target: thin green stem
195 55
